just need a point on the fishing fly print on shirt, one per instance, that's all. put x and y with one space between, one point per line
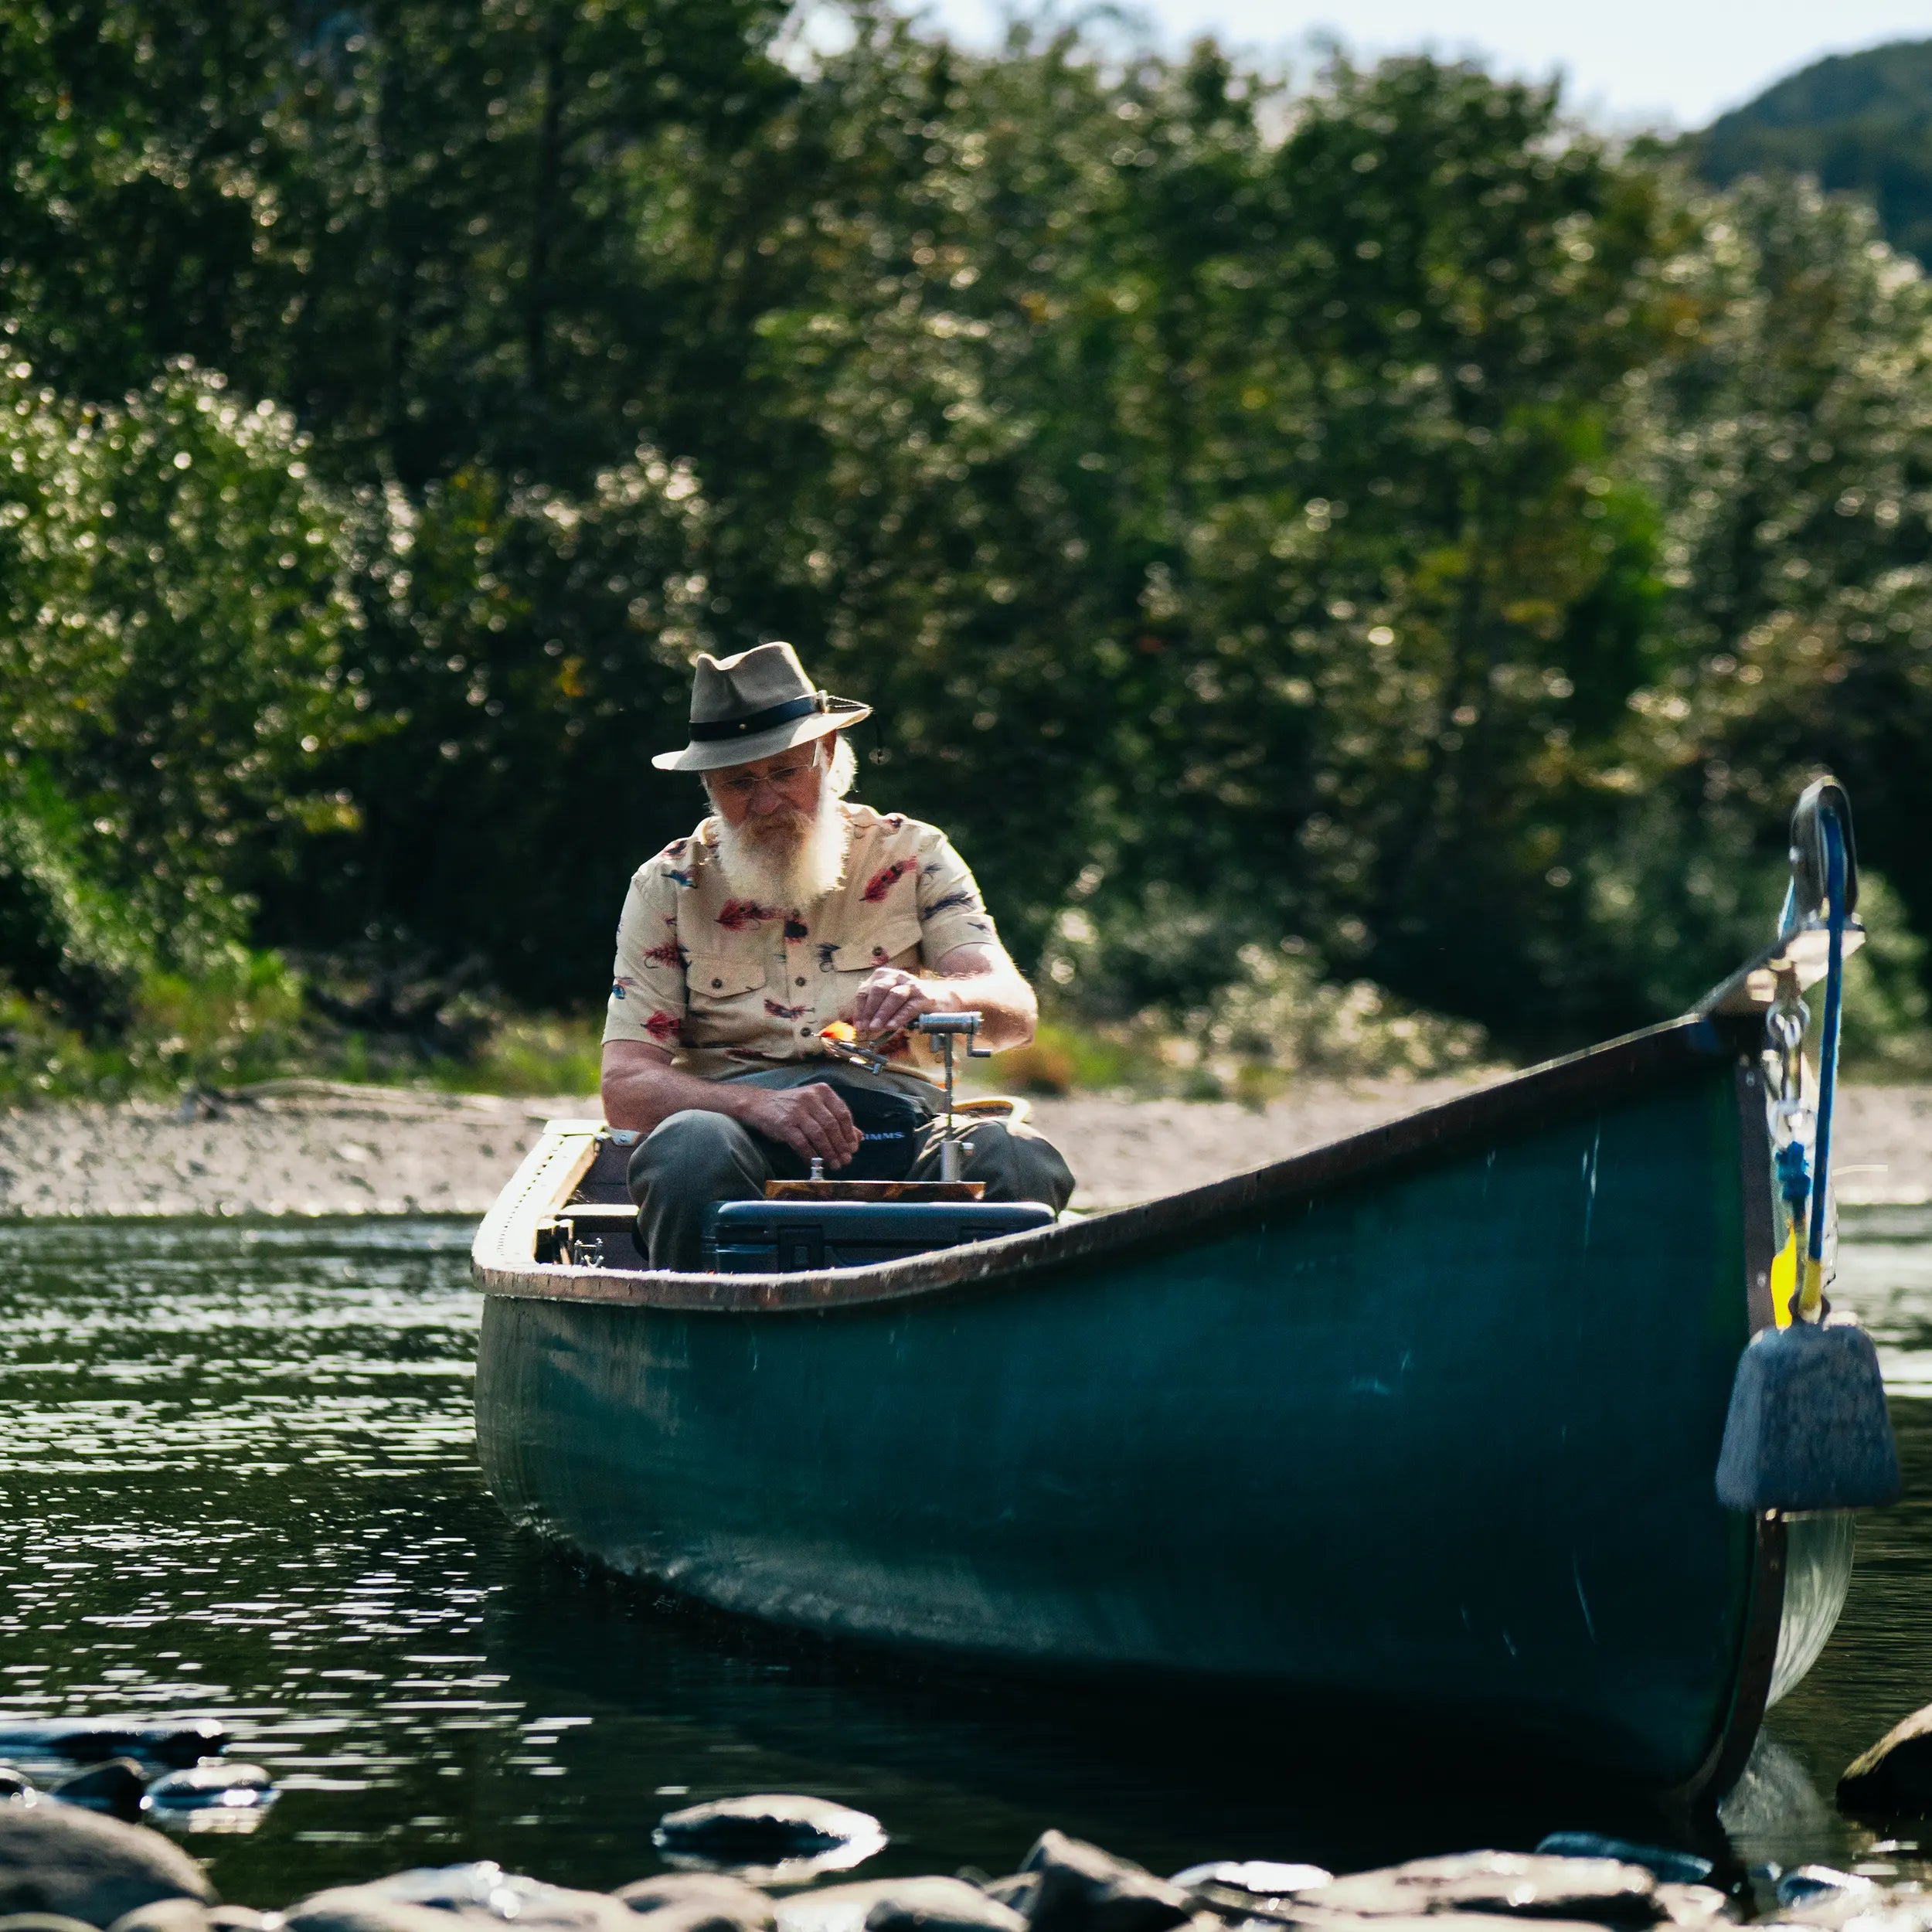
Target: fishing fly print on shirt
774 975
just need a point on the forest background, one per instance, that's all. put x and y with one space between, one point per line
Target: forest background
1361 565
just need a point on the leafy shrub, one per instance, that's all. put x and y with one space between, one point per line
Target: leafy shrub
241 1019
1062 1057
1394 515
1284 1015
1888 1018
542 1055
172 609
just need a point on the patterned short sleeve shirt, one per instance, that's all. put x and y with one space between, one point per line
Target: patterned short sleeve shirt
728 985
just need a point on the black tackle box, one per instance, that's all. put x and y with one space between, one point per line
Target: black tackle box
787 1237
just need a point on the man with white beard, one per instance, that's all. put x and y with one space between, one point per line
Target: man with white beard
787 910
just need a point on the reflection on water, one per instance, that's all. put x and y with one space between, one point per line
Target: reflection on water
1885 1276
1878 1666
239 1481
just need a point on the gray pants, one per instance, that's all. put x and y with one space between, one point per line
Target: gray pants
692 1159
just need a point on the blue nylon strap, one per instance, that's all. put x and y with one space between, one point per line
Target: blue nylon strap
1795 1177
1834 1008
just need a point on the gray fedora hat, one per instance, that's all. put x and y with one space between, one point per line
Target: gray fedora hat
746 707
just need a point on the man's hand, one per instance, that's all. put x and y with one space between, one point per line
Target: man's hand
890 1000
977 976
811 1120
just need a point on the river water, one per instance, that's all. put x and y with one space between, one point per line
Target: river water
239 1482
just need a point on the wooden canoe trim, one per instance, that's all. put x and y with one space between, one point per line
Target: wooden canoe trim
875 1190
1559 1089
1753 987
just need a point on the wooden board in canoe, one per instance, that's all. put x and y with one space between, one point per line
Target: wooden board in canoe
1428 1416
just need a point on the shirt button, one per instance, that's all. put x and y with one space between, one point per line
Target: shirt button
804 1032
801 979
717 982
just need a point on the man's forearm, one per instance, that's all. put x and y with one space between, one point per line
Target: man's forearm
638 1098
1005 999
639 1093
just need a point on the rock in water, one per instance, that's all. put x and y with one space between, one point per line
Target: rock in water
941 1905
1876 1911
1507 1883
1816 1895
771 1829
57 1858
114 1788
1250 1887
218 1786
1674 1868
1692 1905
832 1908
1894 1779
82 1742
1082 1888
1019 1890
482 1893
164 1915
1808 1883
898 1905
1260 1878
355 1908
13 1782
699 1902
42 1922
1307 1913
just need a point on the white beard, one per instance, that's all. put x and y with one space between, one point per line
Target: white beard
786 874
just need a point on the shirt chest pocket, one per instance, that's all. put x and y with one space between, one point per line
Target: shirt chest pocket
725 1003
884 945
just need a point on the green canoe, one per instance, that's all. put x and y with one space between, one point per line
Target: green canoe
1426 1418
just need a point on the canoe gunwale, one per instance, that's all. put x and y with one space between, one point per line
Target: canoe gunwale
1752 987
1558 1090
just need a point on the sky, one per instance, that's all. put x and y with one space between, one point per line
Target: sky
1674 63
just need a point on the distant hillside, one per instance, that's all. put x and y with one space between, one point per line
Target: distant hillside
1859 121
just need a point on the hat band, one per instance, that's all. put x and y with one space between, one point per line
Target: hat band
756 721
772 715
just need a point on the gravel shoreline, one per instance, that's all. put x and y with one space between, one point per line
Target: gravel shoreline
72 1859
311 1148
753 1864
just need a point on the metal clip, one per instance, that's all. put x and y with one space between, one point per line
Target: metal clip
1784 1026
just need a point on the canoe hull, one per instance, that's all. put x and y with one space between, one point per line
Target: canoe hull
1441 1433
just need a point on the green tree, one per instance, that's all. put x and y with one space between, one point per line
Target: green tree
1791 447
173 608
1857 122
1388 518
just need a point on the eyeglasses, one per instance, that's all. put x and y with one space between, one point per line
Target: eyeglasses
781 777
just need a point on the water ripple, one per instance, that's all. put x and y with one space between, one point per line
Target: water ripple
237 1480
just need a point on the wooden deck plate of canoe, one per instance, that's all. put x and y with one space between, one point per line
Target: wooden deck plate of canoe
875 1190
1420 1426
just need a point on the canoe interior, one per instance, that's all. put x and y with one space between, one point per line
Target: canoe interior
1430 1425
